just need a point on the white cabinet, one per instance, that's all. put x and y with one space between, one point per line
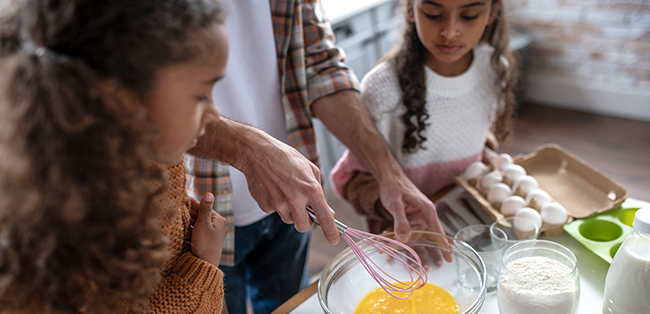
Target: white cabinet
388 26
356 36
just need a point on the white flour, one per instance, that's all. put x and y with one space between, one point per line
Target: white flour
545 294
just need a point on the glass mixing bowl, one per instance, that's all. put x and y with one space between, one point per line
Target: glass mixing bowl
344 282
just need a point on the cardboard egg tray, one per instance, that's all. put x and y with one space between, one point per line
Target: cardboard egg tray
603 234
582 189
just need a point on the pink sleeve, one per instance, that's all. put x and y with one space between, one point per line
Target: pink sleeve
343 171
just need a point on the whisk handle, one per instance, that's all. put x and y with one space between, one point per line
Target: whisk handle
339 225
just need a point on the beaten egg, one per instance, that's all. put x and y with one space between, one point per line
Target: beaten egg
426 300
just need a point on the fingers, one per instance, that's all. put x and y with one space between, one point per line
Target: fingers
296 215
447 252
326 221
301 220
315 197
208 232
434 225
293 210
194 210
423 253
194 203
401 224
218 222
205 210
437 254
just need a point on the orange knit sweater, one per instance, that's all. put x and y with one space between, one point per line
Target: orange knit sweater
189 284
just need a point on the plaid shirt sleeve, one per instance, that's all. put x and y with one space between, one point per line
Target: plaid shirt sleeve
310 65
325 70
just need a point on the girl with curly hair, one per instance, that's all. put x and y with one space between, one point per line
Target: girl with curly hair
436 98
99 100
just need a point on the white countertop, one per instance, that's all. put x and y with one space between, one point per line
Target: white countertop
339 10
592 270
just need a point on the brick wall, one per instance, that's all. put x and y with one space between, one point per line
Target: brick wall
593 46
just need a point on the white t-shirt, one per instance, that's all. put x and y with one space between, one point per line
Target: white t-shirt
250 90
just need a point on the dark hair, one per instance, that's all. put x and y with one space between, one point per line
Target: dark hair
408 59
79 224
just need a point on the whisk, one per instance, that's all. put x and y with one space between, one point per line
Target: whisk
390 284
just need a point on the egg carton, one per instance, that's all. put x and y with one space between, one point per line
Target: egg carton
604 233
581 188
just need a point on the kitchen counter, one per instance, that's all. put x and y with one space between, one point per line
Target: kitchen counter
592 270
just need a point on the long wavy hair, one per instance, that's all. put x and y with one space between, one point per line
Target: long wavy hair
79 228
408 59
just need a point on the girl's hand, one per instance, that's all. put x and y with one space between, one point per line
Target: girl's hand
488 156
209 230
490 149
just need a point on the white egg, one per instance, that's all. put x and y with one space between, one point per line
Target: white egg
554 214
490 179
501 161
498 193
530 214
512 173
538 198
475 170
512 204
524 184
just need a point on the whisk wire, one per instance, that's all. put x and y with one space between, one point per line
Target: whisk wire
412 262
408 261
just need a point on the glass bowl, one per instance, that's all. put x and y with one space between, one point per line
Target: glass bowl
544 281
344 282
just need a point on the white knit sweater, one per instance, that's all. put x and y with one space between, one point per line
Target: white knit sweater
461 111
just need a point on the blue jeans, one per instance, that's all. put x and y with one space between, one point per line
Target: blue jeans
270 265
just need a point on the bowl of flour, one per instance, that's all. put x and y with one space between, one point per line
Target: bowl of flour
538 277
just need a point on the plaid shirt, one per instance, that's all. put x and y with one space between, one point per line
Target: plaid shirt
310 67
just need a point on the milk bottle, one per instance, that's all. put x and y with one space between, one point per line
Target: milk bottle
627 286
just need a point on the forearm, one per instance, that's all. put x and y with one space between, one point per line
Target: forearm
231 142
279 177
347 118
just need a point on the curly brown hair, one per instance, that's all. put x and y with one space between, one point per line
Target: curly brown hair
79 228
408 59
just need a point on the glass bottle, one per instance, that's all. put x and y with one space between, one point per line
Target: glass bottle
627 286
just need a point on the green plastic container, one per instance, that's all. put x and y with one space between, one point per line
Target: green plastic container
604 233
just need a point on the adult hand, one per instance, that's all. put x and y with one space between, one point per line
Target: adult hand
209 230
283 180
411 210
279 177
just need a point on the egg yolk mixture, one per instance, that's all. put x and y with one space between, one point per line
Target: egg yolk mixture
426 300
